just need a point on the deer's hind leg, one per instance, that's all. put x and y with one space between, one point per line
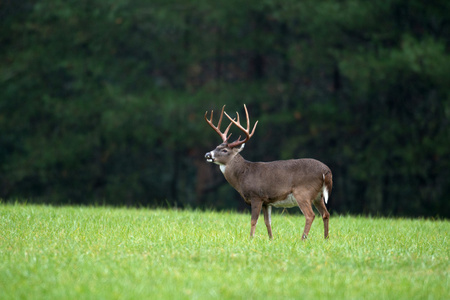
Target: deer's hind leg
304 202
320 205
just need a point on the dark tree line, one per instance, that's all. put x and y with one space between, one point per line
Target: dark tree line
103 101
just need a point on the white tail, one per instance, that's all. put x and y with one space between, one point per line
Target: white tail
282 183
324 191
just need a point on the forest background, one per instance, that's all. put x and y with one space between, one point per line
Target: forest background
102 102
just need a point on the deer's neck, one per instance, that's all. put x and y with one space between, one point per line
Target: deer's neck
234 170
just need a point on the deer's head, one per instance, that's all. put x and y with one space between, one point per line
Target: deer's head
225 152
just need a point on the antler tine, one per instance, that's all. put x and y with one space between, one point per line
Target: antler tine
248 135
248 122
217 128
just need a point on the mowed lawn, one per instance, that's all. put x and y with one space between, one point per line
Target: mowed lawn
107 253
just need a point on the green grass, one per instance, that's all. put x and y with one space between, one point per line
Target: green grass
106 253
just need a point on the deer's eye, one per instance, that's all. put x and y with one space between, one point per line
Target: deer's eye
224 151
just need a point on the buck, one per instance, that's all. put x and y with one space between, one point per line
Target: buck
282 183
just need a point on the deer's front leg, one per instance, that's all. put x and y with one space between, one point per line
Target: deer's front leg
256 210
267 210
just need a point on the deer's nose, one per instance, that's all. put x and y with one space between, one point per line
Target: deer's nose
209 157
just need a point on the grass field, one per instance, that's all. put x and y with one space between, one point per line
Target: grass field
105 253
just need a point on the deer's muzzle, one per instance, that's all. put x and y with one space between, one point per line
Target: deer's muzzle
209 157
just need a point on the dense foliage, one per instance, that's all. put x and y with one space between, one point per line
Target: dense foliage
103 101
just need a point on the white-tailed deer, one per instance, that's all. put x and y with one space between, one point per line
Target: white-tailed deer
282 183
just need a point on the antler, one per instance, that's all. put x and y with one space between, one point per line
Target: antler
217 129
248 135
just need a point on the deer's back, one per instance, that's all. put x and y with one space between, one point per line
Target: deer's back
293 167
277 179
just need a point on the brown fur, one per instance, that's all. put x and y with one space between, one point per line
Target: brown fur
263 184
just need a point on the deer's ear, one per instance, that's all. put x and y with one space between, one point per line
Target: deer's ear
241 148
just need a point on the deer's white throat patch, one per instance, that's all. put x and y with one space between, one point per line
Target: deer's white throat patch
222 168
286 203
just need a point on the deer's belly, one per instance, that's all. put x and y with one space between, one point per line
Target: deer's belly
286 203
